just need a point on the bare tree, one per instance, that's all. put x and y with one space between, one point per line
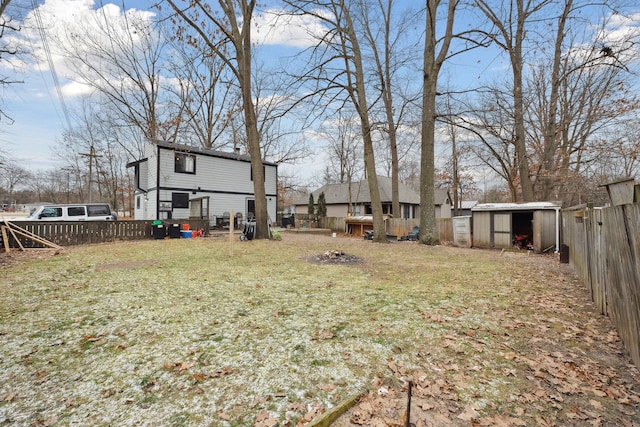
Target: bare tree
436 51
231 25
338 73
12 176
574 96
385 37
208 98
345 151
94 159
123 61
8 47
344 147
490 119
279 121
512 21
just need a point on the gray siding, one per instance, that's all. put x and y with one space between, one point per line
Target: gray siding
502 230
544 230
482 229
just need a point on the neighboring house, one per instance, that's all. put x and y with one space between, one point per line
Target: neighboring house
337 197
176 181
465 207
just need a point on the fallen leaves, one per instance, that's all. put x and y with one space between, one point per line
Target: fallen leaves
546 364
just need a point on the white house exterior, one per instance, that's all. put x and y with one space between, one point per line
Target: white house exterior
179 182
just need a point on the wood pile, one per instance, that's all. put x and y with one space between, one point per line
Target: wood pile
7 229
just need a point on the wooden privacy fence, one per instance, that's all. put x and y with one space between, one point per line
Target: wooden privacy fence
604 249
394 226
71 233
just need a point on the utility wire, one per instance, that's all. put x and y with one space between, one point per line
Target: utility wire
47 51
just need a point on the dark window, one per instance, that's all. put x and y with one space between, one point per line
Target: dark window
98 210
51 213
179 200
76 211
185 163
138 202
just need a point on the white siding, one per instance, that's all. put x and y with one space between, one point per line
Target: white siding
225 181
144 175
214 174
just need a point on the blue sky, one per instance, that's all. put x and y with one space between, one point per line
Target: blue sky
36 109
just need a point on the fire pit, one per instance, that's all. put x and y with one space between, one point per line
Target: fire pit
335 257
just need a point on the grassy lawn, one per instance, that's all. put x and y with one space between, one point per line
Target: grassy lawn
178 332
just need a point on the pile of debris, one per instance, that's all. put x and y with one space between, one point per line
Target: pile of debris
8 231
335 257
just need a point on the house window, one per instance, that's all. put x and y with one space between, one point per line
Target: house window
179 200
138 202
185 163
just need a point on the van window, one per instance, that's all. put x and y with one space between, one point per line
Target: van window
75 211
98 210
51 213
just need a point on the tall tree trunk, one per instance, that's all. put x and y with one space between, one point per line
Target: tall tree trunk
429 232
251 128
551 142
359 97
522 157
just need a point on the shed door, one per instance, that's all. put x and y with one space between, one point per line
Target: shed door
502 230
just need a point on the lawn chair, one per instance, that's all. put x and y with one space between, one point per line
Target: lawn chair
414 234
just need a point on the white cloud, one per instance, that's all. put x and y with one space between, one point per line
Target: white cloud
77 24
76 89
274 27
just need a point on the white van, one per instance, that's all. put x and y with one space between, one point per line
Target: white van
74 212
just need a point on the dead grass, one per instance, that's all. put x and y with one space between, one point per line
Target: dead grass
176 332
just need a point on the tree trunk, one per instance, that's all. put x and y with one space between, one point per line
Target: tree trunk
359 97
551 142
429 232
243 50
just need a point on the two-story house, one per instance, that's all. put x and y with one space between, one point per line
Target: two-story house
177 181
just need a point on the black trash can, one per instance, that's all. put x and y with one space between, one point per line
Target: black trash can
159 231
564 254
174 231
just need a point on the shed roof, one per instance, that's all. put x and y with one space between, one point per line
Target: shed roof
467 204
529 206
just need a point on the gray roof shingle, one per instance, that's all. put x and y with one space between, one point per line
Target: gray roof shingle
339 193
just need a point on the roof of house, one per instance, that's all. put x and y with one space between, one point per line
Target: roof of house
529 206
201 150
339 193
